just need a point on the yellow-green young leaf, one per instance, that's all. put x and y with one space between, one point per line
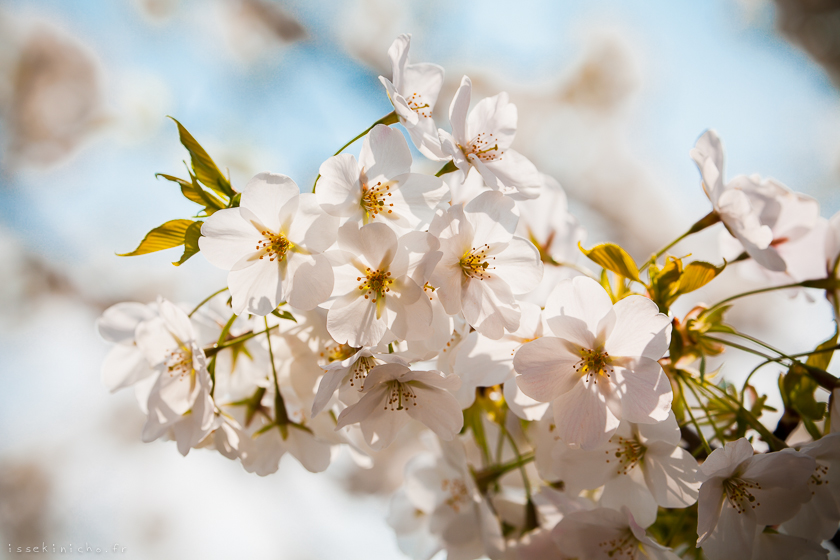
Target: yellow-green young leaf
171 234
822 359
190 242
697 274
799 389
284 315
204 167
192 191
614 258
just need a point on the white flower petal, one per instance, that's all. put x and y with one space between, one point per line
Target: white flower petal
645 391
546 369
639 329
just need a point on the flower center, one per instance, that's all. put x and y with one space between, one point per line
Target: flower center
275 245
819 478
360 369
484 147
475 263
458 493
373 199
179 362
375 283
629 453
399 392
623 546
738 491
415 103
337 352
593 364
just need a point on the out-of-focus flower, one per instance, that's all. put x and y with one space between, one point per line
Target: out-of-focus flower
482 362
818 518
547 223
484 264
379 187
272 246
55 99
440 508
601 364
641 467
605 534
393 394
482 140
255 29
413 90
126 363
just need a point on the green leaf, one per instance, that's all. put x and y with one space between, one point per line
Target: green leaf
192 191
799 389
204 167
190 242
614 258
171 234
822 359
284 315
697 274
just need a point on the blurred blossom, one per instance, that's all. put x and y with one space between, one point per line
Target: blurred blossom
143 98
157 11
814 25
55 96
25 490
253 29
604 79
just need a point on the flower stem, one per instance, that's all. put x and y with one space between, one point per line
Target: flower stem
205 300
751 293
709 219
216 348
389 119
281 418
222 337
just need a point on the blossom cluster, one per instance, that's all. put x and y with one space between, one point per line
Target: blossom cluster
551 409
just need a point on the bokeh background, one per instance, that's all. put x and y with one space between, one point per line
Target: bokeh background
611 97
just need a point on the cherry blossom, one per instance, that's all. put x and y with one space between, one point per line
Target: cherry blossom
413 90
601 364
349 373
374 286
482 140
484 264
379 186
740 205
742 492
393 393
272 245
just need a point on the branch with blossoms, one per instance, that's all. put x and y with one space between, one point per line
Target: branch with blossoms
553 407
